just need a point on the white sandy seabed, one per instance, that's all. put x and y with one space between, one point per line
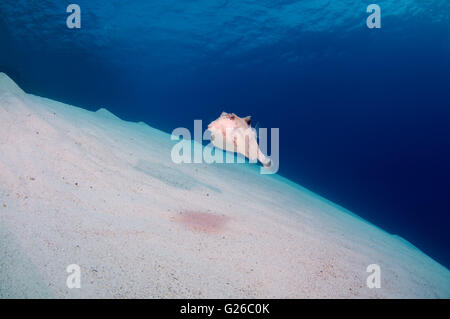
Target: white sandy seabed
86 188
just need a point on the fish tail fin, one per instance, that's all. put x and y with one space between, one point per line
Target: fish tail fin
267 164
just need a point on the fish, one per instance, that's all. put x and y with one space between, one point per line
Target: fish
235 134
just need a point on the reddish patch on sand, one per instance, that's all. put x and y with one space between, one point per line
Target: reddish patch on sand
202 222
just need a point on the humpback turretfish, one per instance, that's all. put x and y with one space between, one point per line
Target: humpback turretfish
235 134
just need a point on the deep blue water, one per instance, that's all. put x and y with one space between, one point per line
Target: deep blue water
364 114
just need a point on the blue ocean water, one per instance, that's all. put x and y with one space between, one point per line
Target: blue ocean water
364 114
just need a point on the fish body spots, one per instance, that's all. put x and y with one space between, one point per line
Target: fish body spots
202 222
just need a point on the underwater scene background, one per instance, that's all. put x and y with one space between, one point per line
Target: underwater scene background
363 113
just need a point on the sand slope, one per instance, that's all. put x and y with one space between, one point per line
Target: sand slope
87 188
